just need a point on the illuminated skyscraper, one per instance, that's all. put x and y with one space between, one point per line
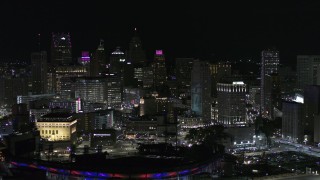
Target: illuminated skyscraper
201 90
61 49
269 66
39 72
91 89
159 69
218 71
85 58
231 103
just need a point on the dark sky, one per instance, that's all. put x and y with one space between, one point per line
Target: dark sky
205 29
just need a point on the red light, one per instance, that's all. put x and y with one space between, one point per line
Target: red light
75 172
145 176
32 166
119 176
172 174
194 169
53 170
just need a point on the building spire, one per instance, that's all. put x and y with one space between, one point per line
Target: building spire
101 42
39 41
135 32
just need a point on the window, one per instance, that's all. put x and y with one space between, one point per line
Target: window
46 131
56 131
42 132
49 131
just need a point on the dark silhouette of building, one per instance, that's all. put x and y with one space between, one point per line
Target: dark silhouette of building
39 72
98 62
136 54
61 49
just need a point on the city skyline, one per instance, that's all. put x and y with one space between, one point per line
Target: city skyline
182 29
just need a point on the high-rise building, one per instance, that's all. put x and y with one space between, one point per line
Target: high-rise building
117 61
201 90
183 71
90 89
136 54
147 78
288 79
114 91
39 72
292 121
269 65
312 109
308 70
159 69
98 62
218 71
85 58
61 49
63 76
231 103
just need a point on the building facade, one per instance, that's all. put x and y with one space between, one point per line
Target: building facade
57 127
61 49
269 65
292 121
201 90
39 72
231 103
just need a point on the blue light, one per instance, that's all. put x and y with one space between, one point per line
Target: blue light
184 172
22 164
103 175
158 175
42 167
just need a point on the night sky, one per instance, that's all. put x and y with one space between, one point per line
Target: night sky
209 30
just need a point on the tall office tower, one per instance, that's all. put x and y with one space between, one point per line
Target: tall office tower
218 71
183 71
39 72
147 78
114 91
63 75
61 49
138 74
98 62
117 61
90 89
269 65
136 54
201 90
159 69
288 79
85 58
231 103
308 70
292 125
312 109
